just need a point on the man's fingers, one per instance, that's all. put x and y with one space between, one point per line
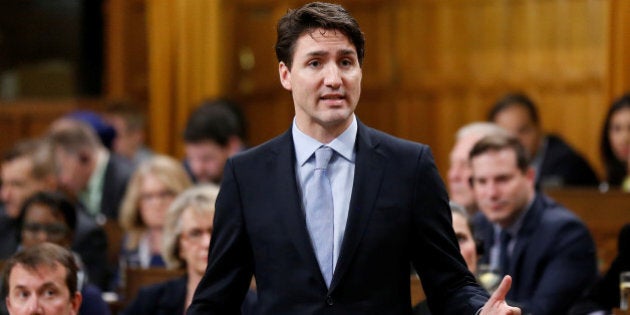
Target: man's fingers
502 290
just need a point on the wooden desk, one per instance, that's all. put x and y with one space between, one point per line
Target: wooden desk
603 212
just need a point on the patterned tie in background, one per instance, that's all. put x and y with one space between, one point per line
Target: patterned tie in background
319 213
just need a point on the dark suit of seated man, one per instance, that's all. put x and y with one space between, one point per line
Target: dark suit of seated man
547 250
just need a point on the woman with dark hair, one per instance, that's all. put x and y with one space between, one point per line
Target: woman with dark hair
615 143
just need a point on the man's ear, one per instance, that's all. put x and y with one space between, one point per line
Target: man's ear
285 75
75 302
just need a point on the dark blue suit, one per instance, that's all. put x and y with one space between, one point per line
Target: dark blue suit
398 214
553 259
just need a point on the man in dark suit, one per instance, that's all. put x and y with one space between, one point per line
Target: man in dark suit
547 250
388 208
554 161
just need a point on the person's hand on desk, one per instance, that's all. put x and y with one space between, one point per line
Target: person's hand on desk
496 305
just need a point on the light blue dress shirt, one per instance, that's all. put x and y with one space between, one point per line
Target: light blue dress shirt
340 172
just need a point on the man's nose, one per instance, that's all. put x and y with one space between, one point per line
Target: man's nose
333 76
33 306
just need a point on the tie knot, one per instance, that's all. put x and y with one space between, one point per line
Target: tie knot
322 157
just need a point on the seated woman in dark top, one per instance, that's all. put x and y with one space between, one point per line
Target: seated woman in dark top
187 233
615 143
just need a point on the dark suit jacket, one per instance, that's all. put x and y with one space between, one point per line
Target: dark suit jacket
563 166
398 214
553 259
90 242
117 176
9 237
168 298
604 295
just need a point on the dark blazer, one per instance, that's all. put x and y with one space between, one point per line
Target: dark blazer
168 298
90 242
553 259
563 166
9 235
165 298
398 214
117 174
604 295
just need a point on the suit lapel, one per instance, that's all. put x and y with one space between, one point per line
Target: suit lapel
530 222
281 163
368 176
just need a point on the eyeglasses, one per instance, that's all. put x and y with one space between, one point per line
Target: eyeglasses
196 235
158 195
53 231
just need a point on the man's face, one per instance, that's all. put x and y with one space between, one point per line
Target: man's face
18 184
516 120
73 172
501 189
206 160
459 172
42 291
324 79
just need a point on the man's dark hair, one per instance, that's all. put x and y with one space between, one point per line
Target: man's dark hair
498 142
217 120
45 254
514 99
312 16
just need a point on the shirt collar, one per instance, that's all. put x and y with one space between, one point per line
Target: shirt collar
516 226
305 145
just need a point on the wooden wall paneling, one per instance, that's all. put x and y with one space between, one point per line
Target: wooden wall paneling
619 12
186 65
161 57
253 77
254 62
126 50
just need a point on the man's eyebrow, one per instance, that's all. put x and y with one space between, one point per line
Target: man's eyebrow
345 52
317 53
48 285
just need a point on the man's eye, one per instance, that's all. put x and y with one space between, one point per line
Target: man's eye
22 294
50 293
314 63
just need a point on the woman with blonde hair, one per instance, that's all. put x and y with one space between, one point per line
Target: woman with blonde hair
151 190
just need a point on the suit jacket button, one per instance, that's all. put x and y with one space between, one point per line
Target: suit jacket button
329 301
